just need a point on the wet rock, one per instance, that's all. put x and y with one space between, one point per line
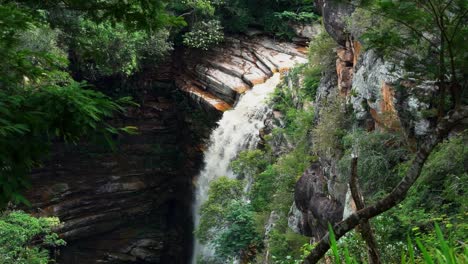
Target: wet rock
334 14
217 78
317 207
128 206
297 222
306 31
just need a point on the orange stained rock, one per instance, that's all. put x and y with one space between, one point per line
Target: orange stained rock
302 50
357 51
388 117
241 89
257 81
208 97
387 96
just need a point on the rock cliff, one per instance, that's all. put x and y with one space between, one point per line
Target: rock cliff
368 84
216 79
133 205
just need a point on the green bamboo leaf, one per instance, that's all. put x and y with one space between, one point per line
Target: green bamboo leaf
333 244
427 258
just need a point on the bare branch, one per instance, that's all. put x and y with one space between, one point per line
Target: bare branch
365 226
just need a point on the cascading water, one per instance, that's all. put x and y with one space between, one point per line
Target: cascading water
237 130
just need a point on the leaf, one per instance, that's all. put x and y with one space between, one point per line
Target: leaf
333 243
427 258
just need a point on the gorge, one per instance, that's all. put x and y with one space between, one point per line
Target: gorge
215 132
134 204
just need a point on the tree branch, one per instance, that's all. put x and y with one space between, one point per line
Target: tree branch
365 227
399 192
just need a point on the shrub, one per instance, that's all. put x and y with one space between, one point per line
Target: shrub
329 131
312 76
279 23
25 239
249 163
378 153
212 213
263 189
108 49
240 237
227 222
204 35
285 246
321 51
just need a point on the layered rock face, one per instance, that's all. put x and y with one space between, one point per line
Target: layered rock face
217 78
367 83
132 205
318 209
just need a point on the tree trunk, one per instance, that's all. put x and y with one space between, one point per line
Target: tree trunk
399 192
441 107
365 226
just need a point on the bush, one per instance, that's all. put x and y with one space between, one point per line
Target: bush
440 250
204 35
227 222
249 163
240 237
378 154
440 193
25 239
263 189
321 51
285 246
312 76
212 213
107 49
279 23
329 131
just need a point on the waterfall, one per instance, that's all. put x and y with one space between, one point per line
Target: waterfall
348 208
237 130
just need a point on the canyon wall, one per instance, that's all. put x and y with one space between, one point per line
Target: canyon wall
369 84
133 204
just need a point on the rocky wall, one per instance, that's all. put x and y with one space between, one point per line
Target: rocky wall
131 204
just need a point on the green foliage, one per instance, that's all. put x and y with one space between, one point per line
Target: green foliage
263 188
134 14
329 131
203 7
378 154
236 16
240 236
275 17
286 247
107 49
437 197
25 239
249 163
227 222
440 192
33 117
204 35
312 76
39 101
212 213
441 251
321 51
279 23
425 38
41 39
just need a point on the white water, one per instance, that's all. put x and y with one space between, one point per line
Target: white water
237 130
